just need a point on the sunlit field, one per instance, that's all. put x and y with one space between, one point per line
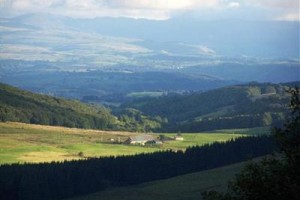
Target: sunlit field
36 143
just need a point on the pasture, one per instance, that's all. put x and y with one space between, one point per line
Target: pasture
36 143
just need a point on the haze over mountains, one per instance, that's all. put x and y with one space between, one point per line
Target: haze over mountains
183 72
182 36
190 54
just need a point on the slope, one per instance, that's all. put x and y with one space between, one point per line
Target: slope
22 106
241 106
188 186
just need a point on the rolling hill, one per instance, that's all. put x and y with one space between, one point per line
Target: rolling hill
240 106
232 107
22 106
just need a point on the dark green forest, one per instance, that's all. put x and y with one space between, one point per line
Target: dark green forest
241 106
62 180
22 106
277 176
67 179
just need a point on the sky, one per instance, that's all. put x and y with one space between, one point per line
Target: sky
286 10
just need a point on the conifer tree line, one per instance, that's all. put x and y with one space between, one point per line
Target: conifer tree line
276 177
72 178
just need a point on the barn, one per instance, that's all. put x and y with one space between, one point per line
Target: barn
142 140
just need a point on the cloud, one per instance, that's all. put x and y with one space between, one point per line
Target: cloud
287 10
234 5
281 4
289 17
160 4
149 9
152 9
206 50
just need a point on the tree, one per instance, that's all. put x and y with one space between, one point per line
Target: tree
277 177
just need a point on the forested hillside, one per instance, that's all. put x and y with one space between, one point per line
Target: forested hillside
242 106
22 106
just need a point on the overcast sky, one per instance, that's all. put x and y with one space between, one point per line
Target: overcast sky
158 9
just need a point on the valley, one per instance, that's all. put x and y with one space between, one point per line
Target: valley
95 60
143 100
232 107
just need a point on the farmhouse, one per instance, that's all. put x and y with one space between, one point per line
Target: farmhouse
178 137
154 142
142 140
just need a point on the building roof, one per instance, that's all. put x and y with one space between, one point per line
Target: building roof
142 138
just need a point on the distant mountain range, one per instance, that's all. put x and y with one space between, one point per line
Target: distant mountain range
109 86
229 38
108 41
108 59
252 38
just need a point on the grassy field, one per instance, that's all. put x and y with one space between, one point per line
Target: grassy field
247 131
193 139
35 143
187 187
145 94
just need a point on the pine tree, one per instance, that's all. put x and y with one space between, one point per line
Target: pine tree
274 178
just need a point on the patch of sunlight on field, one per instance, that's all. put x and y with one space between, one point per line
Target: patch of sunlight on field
145 94
193 139
36 143
248 131
102 149
48 156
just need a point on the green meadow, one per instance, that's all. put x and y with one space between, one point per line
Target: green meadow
248 131
36 143
198 139
144 94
